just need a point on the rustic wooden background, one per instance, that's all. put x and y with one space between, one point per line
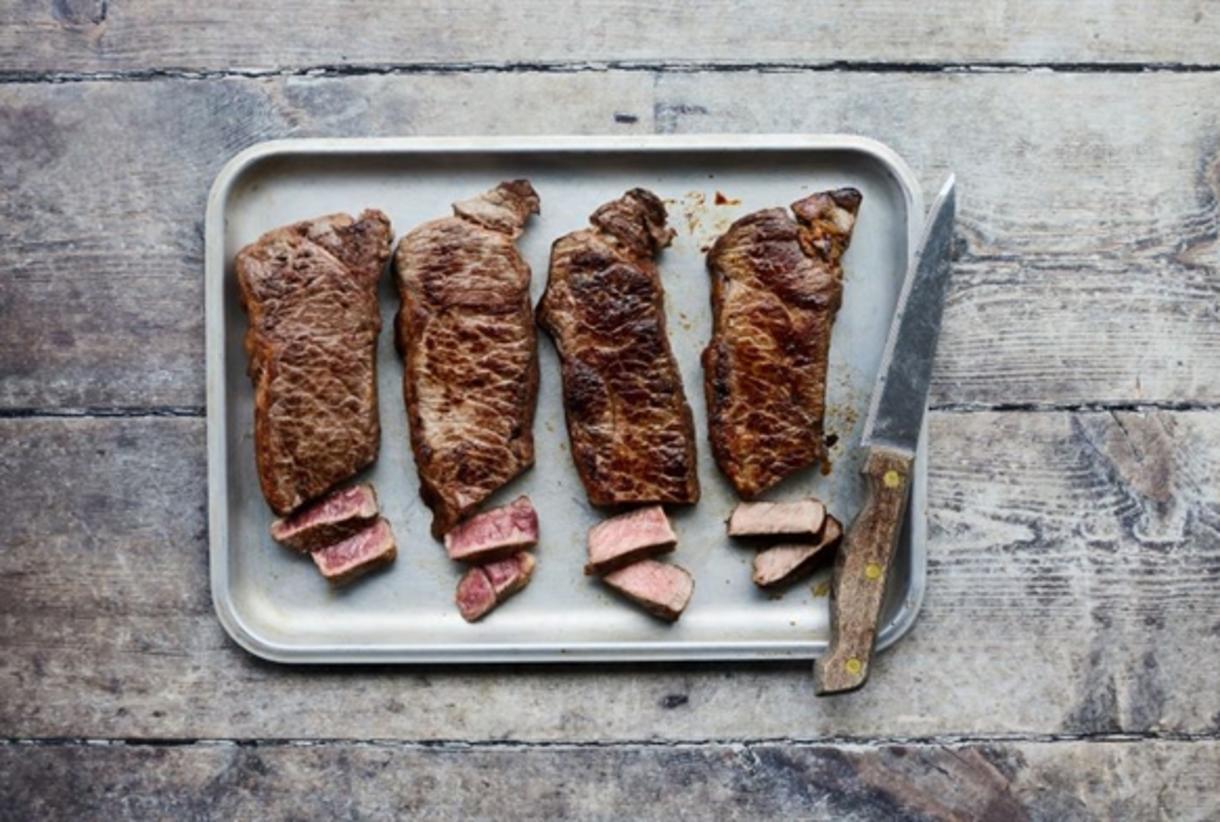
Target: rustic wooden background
1067 661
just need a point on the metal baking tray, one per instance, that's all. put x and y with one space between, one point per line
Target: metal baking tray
274 604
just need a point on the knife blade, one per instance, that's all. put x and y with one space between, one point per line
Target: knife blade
891 434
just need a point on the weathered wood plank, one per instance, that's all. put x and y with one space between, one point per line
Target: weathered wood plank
1089 265
102 227
1089 268
1074 587
1010 781
124 35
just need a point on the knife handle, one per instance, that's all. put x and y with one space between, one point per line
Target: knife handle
860 572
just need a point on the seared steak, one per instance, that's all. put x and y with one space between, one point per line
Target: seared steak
776 286
804 517
628 538
310 290
357 555
495 533
632 435
784 564
661 589
484 587
466 333
334 518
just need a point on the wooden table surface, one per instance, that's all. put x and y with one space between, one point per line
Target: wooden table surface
1066 664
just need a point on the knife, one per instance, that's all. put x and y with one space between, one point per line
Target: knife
891 433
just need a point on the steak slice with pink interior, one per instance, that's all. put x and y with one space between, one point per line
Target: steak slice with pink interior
333 519
628 538
495 533
357 555
661 589
785 564
804 518
483 587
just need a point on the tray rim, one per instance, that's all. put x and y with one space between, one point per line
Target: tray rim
468 653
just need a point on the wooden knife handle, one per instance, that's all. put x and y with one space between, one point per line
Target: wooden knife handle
861 569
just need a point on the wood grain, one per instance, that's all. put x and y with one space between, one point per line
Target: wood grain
103 231
1087 269
1074 588
1086 265
135 35
862 570
1008 781
1066 660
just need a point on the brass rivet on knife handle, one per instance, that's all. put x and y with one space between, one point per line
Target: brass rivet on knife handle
860 572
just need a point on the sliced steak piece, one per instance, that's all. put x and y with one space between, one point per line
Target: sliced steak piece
784 564
333 519
357 555
776 287
310 291
628 538
483 587
801 518
632 434
661 589
467 336
495 533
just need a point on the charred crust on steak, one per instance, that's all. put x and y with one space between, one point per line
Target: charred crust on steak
776 287
310 291
638 219
630 428
504 208
466 333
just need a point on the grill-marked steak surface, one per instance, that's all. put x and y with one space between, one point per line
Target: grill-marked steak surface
466 333
631 430
776 286
310 291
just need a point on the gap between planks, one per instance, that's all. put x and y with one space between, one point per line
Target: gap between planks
103 413
1103 407
511 744
576 67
